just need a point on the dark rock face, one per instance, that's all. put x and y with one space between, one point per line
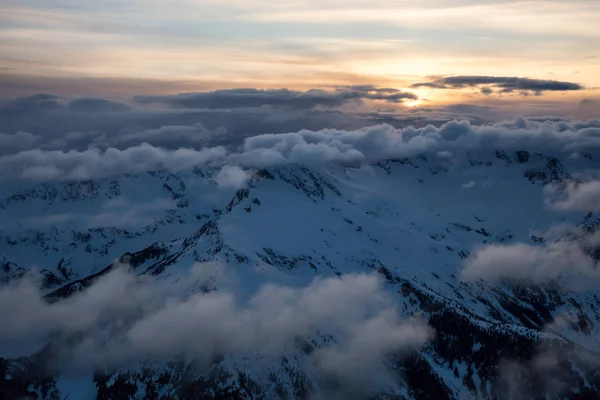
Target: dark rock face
551 172
522 156
501 155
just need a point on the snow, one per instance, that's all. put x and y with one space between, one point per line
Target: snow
411 219
76 386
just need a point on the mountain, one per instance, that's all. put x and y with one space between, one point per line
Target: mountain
415 223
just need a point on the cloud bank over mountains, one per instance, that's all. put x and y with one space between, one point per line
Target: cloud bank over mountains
350 147
125 318
227 116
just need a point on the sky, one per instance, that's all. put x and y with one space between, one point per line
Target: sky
120 48
117 74
91 90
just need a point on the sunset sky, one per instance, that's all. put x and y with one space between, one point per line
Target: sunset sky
123 48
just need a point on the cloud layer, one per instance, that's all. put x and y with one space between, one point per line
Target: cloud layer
370 144
123 319
563 259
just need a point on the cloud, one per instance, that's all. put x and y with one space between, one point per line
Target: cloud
89 105
366 346
165 135
555 368
90 123
82 123
92 163
123 318
280 98
349 147
231 176
37 102
117 213
45 102
504 84
574 196
559 260
16 142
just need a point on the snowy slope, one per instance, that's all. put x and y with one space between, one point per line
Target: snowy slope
413 221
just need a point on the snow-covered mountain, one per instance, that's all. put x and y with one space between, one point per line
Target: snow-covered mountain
418 223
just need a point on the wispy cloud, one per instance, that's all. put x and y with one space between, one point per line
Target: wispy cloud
123 318
574 196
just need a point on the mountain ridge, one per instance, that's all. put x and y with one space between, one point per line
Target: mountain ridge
388 219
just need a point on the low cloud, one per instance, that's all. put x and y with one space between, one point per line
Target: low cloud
574 196
349 147
564 260
117 213
227 117
231 176
93 163
502 84
555 368
17 142
124 318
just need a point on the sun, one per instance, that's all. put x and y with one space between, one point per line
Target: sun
413 103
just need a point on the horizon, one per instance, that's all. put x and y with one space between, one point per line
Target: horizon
535 56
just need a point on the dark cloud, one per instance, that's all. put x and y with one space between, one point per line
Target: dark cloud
58 123
96 105
366 88
45 102
33 103
587 102
433 85
52 122
61 128
503 84
281 98
18 141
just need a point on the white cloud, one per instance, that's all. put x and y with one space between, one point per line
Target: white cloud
231 176
365 145
123 318
575 197
521 262
93 163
